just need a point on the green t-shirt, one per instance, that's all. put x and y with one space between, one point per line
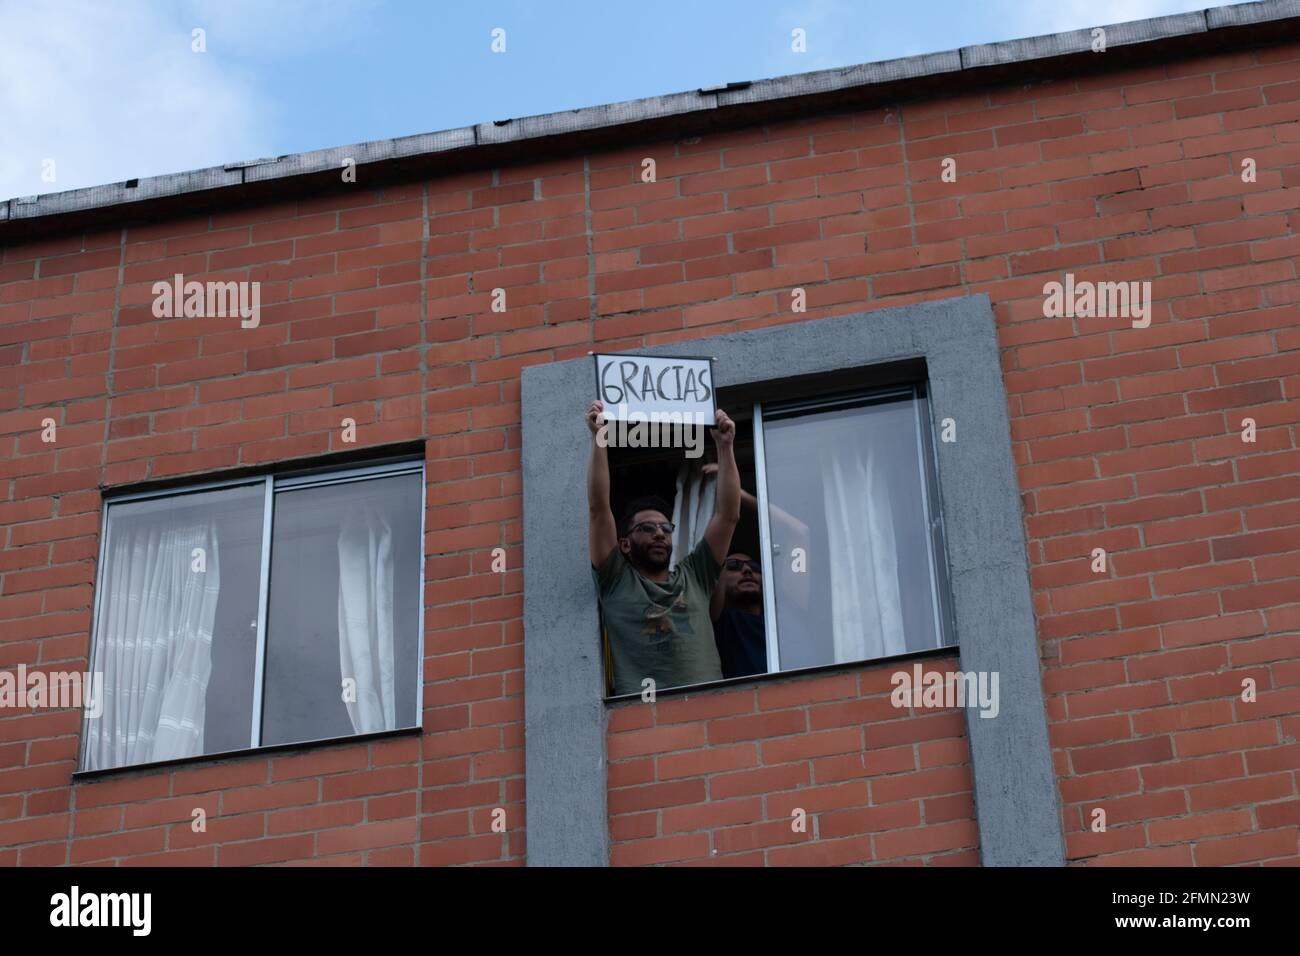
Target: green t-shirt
662 631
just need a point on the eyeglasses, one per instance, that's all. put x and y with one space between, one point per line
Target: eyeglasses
735 564
648 527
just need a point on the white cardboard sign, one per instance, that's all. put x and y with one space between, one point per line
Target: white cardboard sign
656 386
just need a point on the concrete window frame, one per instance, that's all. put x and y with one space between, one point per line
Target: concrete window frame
1016 799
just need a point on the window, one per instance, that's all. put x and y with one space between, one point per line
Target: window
838 556
848 511
266 610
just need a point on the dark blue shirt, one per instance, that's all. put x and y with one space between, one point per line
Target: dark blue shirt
742 643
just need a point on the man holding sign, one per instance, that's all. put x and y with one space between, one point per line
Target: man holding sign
658 620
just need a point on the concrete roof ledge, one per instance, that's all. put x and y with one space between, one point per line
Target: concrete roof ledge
330 160
735 103
594 117
1241 14
824 81
153 187
1080 41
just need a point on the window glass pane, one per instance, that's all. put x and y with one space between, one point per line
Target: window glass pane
344 604
176 635
845 485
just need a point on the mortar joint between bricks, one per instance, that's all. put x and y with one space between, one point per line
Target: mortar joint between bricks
591 255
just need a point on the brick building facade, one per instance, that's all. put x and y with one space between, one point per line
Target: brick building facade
375 297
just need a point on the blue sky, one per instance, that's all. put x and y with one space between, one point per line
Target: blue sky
111 89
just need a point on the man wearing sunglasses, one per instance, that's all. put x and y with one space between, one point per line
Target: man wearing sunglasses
657 620
737 612
737 603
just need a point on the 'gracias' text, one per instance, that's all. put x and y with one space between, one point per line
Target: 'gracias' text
636 381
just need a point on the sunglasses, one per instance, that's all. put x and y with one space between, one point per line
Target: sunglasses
648 527
735 564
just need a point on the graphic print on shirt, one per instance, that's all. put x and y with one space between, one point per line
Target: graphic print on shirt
660 623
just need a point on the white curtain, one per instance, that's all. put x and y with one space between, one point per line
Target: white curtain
692 507
866 602
366 618
155 647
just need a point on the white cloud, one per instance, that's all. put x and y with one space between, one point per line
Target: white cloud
112 90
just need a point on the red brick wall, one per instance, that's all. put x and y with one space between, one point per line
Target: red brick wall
1126 439
719 776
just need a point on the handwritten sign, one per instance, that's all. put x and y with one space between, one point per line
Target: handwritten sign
656 386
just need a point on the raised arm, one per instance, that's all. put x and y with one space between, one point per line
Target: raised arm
799 537
726 502
602 533
717 601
